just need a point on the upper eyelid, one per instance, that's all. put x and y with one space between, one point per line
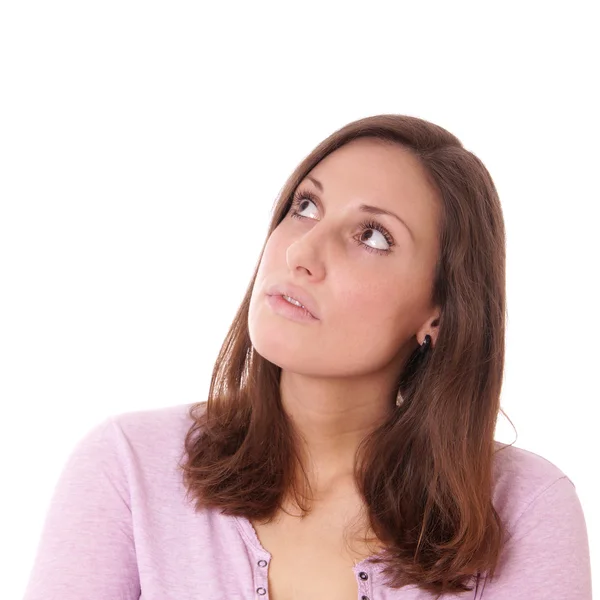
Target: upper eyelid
314 197
374 211
310 195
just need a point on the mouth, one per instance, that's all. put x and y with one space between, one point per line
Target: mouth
286 307
295 296
294 302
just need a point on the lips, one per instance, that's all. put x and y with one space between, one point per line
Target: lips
297 293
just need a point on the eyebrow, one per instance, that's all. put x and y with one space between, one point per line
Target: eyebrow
373 210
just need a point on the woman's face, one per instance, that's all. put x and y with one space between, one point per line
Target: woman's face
370 276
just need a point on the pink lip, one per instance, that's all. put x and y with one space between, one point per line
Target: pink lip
290 311
297 293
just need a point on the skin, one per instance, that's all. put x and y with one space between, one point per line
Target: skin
339 373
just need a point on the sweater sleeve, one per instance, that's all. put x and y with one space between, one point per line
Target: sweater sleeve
548 553
87 548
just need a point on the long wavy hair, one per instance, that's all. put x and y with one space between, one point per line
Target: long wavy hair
425 474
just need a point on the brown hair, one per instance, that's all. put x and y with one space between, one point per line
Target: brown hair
426 474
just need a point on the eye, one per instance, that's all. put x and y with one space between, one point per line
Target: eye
302 200
299 203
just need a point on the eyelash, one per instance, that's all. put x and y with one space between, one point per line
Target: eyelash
307 195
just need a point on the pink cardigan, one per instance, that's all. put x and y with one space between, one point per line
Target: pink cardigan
119 528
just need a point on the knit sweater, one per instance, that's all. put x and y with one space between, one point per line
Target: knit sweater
119 528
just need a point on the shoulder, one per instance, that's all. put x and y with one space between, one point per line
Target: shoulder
547 542
522 477
152 440
156 422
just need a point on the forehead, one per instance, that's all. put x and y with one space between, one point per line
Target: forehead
383 174
376 164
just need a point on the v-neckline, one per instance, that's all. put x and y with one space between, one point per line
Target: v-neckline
249 533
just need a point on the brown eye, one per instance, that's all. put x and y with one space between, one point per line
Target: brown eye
371 232
301 206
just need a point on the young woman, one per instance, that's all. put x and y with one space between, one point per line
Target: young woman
346 449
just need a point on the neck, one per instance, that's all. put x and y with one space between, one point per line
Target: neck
332 417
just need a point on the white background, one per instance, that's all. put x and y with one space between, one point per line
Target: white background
142 146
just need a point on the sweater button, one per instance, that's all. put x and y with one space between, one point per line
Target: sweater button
364 598
261 591
262 563
363 576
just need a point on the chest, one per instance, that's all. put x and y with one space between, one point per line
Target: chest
313 557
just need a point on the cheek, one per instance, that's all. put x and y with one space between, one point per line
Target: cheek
268 262
367 298
378 314
275 250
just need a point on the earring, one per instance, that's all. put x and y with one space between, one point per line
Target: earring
421 352
425 345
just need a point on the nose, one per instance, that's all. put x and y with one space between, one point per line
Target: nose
306 254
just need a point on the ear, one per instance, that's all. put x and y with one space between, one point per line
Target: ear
431 327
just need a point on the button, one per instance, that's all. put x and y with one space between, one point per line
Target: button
261 591
364 598
262 563
363 576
